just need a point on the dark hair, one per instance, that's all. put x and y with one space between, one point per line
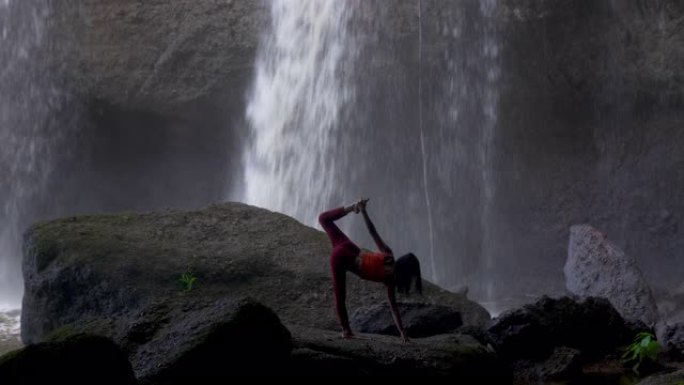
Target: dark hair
407 269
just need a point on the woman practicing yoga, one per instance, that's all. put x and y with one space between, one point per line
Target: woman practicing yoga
373 266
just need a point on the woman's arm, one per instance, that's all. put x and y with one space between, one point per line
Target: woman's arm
373 232
395 312
340 290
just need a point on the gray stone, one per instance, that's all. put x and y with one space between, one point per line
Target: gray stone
597 267
664 379
419 320
671 338
77 359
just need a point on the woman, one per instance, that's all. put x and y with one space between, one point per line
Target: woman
372 266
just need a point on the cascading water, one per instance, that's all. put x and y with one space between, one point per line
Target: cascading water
490 96
29 145
296 107
462 71
426 187
337 112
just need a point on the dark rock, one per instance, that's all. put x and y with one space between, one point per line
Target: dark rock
309 362
225 339
562 365
592 326
117 275
672 378
671 338
78 359
607 370
419 320
597 267
448 354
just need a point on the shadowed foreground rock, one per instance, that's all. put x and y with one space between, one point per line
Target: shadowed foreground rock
78 359
592 326
319 352
420 320
220 340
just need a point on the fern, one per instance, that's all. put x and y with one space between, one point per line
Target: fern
644 348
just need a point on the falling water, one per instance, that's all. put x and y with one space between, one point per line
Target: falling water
337 110
462 70
296 106
433 265
490 56
28 145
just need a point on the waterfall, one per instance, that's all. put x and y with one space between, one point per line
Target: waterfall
490 96
459 133
28 144
336 109
295 108
433 265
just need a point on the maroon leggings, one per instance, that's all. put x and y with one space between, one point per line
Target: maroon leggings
342 258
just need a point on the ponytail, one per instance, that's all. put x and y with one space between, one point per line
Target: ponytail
406 270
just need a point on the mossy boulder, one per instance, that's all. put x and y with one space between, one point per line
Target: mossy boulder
119 276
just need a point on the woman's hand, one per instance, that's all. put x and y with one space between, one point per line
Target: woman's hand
362 203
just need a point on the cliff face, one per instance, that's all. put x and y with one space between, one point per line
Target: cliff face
155 92
156 55
589 130
587 104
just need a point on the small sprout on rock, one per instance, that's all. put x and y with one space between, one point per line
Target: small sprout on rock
187 280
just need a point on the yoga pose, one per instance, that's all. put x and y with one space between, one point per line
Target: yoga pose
373 266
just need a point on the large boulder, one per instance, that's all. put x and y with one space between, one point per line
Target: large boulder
78 359
592 326
419 319
597 267
118 275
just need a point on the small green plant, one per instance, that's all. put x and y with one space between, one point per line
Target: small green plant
187 280
645 348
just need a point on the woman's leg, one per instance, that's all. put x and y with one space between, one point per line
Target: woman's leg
327 221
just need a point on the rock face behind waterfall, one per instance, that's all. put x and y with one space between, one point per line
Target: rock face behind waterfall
118 275
597 267
155 55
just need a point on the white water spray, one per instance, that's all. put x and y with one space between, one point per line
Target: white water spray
28 145
296 107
